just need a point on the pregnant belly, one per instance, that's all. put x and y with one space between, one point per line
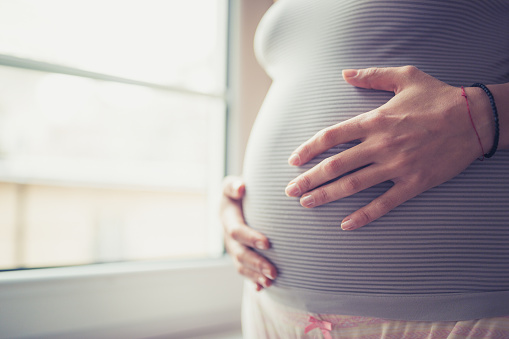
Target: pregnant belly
450 239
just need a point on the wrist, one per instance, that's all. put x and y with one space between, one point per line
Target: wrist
501 96
482 116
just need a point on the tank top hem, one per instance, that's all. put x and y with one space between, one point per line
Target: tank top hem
411 307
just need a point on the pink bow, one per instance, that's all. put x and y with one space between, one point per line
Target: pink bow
324 326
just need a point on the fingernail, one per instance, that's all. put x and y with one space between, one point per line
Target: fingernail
263 281
266 272
308 201
292 190
349 73
348 224
236 186
261 245
294 159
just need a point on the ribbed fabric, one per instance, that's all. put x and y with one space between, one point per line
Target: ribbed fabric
447 245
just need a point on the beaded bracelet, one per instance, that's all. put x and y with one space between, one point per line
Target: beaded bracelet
495 115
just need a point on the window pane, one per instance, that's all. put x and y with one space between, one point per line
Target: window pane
81 225
56 127
171 42
102 171
97 171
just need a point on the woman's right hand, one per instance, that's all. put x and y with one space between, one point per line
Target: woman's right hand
240 239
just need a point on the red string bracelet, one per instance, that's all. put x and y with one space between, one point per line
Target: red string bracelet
472 121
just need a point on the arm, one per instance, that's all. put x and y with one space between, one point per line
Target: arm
419 139
240 238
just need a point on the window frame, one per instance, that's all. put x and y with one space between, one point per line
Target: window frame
142 299
132 299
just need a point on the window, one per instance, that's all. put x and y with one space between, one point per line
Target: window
130 299
112 118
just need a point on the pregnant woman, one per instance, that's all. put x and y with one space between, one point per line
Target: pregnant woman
365 211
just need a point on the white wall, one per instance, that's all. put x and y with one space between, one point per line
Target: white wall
248 81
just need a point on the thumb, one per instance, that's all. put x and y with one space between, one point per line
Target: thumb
391 79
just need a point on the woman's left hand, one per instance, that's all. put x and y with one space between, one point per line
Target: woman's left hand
419 139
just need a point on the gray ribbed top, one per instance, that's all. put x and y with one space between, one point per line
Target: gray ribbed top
443 255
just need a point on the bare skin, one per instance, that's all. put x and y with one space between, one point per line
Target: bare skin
240 239
419 139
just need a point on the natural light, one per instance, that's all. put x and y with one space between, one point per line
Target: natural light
112 120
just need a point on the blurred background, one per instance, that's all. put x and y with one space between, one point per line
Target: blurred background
118 120
112 119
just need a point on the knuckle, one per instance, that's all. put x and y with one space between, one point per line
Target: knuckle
326 136
351 184
238 257
397 167
235 233
323 195
364 216
421 179
384 205
258 264
304 182
359 124
384 145
409 70
369 72
378 118
305 151
405 163
332 166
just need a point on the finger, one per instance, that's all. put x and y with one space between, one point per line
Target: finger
330 168
236 228
250 260
349 130
387 79
346 186
253 261
379 207
233 187
254 276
